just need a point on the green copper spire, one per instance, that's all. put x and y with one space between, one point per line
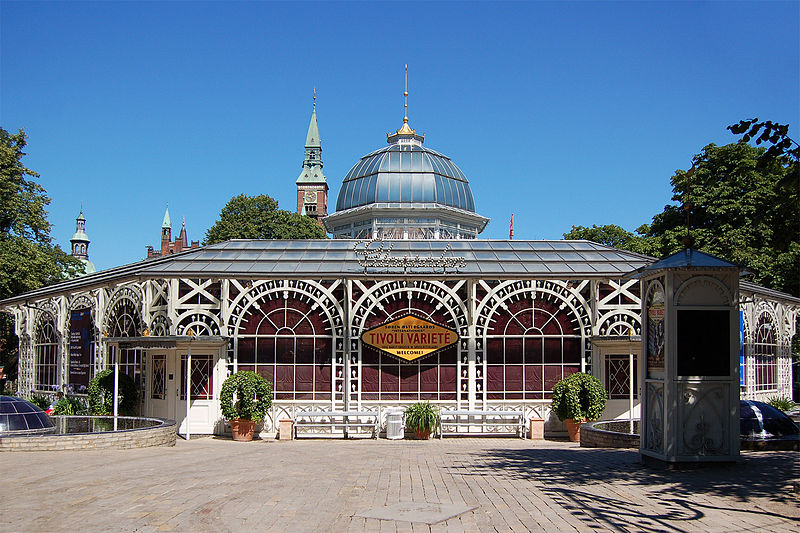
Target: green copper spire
312 163
167 223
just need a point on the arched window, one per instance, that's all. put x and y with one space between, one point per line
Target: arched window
46 353
289 342
125 321
531 344
764 350
384 377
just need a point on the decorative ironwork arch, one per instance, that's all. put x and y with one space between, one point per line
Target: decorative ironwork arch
288 333
199 323
620 322
160 324
123 315
531 334
437 377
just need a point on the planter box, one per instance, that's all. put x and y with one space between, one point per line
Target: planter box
537 429
285 429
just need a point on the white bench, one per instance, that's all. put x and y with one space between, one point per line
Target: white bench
337 419
482 419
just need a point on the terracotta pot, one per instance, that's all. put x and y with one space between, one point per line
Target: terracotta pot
422 434
243 429
574 429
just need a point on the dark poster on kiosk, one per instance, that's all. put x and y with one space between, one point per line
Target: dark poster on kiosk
80 348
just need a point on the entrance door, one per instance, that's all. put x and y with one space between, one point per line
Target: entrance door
202 413
162 397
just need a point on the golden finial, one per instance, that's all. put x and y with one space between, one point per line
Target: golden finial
405 99
405 131
315 98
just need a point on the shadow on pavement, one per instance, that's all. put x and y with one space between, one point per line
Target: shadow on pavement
592 485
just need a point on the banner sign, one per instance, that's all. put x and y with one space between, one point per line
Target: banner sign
80 348
409 337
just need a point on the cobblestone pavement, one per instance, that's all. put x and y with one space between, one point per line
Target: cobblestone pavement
212 484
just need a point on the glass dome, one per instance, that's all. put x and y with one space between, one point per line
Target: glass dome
405 173
18 416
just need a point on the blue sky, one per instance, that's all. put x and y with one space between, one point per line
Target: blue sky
562 113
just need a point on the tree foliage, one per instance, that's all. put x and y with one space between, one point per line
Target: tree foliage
101 394
28 258
258 217
741 206
245 395
608 234
777 135
579 396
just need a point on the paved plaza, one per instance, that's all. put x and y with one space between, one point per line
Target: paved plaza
214 484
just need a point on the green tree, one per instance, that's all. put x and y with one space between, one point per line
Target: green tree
739 209
28 258
608 234
258 217
742 205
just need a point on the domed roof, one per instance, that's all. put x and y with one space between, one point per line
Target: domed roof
21 416
405 172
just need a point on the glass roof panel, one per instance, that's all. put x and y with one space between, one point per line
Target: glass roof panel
562 245
507 256
536 268
291 255
439 190
261 266
513 267
313 256
405 187
394 188
428 188
485 256
416 187
548 256
370 196
560 267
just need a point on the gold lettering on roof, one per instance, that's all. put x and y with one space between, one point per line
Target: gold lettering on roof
380 256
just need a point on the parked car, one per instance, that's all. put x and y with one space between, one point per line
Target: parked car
761 426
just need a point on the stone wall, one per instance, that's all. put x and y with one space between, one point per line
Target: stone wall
163 435
591 437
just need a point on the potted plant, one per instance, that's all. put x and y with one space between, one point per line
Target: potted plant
422 419
576 399
244 399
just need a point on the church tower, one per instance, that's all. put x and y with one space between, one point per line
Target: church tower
166 233
312 188
80 244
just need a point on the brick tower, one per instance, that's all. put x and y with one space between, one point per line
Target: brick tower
312 188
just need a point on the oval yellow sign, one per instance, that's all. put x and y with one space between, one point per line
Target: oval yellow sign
409 337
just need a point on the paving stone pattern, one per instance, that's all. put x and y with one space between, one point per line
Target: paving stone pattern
213 484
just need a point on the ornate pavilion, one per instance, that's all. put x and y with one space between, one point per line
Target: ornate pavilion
525 313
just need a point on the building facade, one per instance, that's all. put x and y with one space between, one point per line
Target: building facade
522 314
526 314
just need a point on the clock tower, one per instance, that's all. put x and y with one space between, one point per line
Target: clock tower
312 188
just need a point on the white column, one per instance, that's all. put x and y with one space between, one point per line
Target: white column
188 389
